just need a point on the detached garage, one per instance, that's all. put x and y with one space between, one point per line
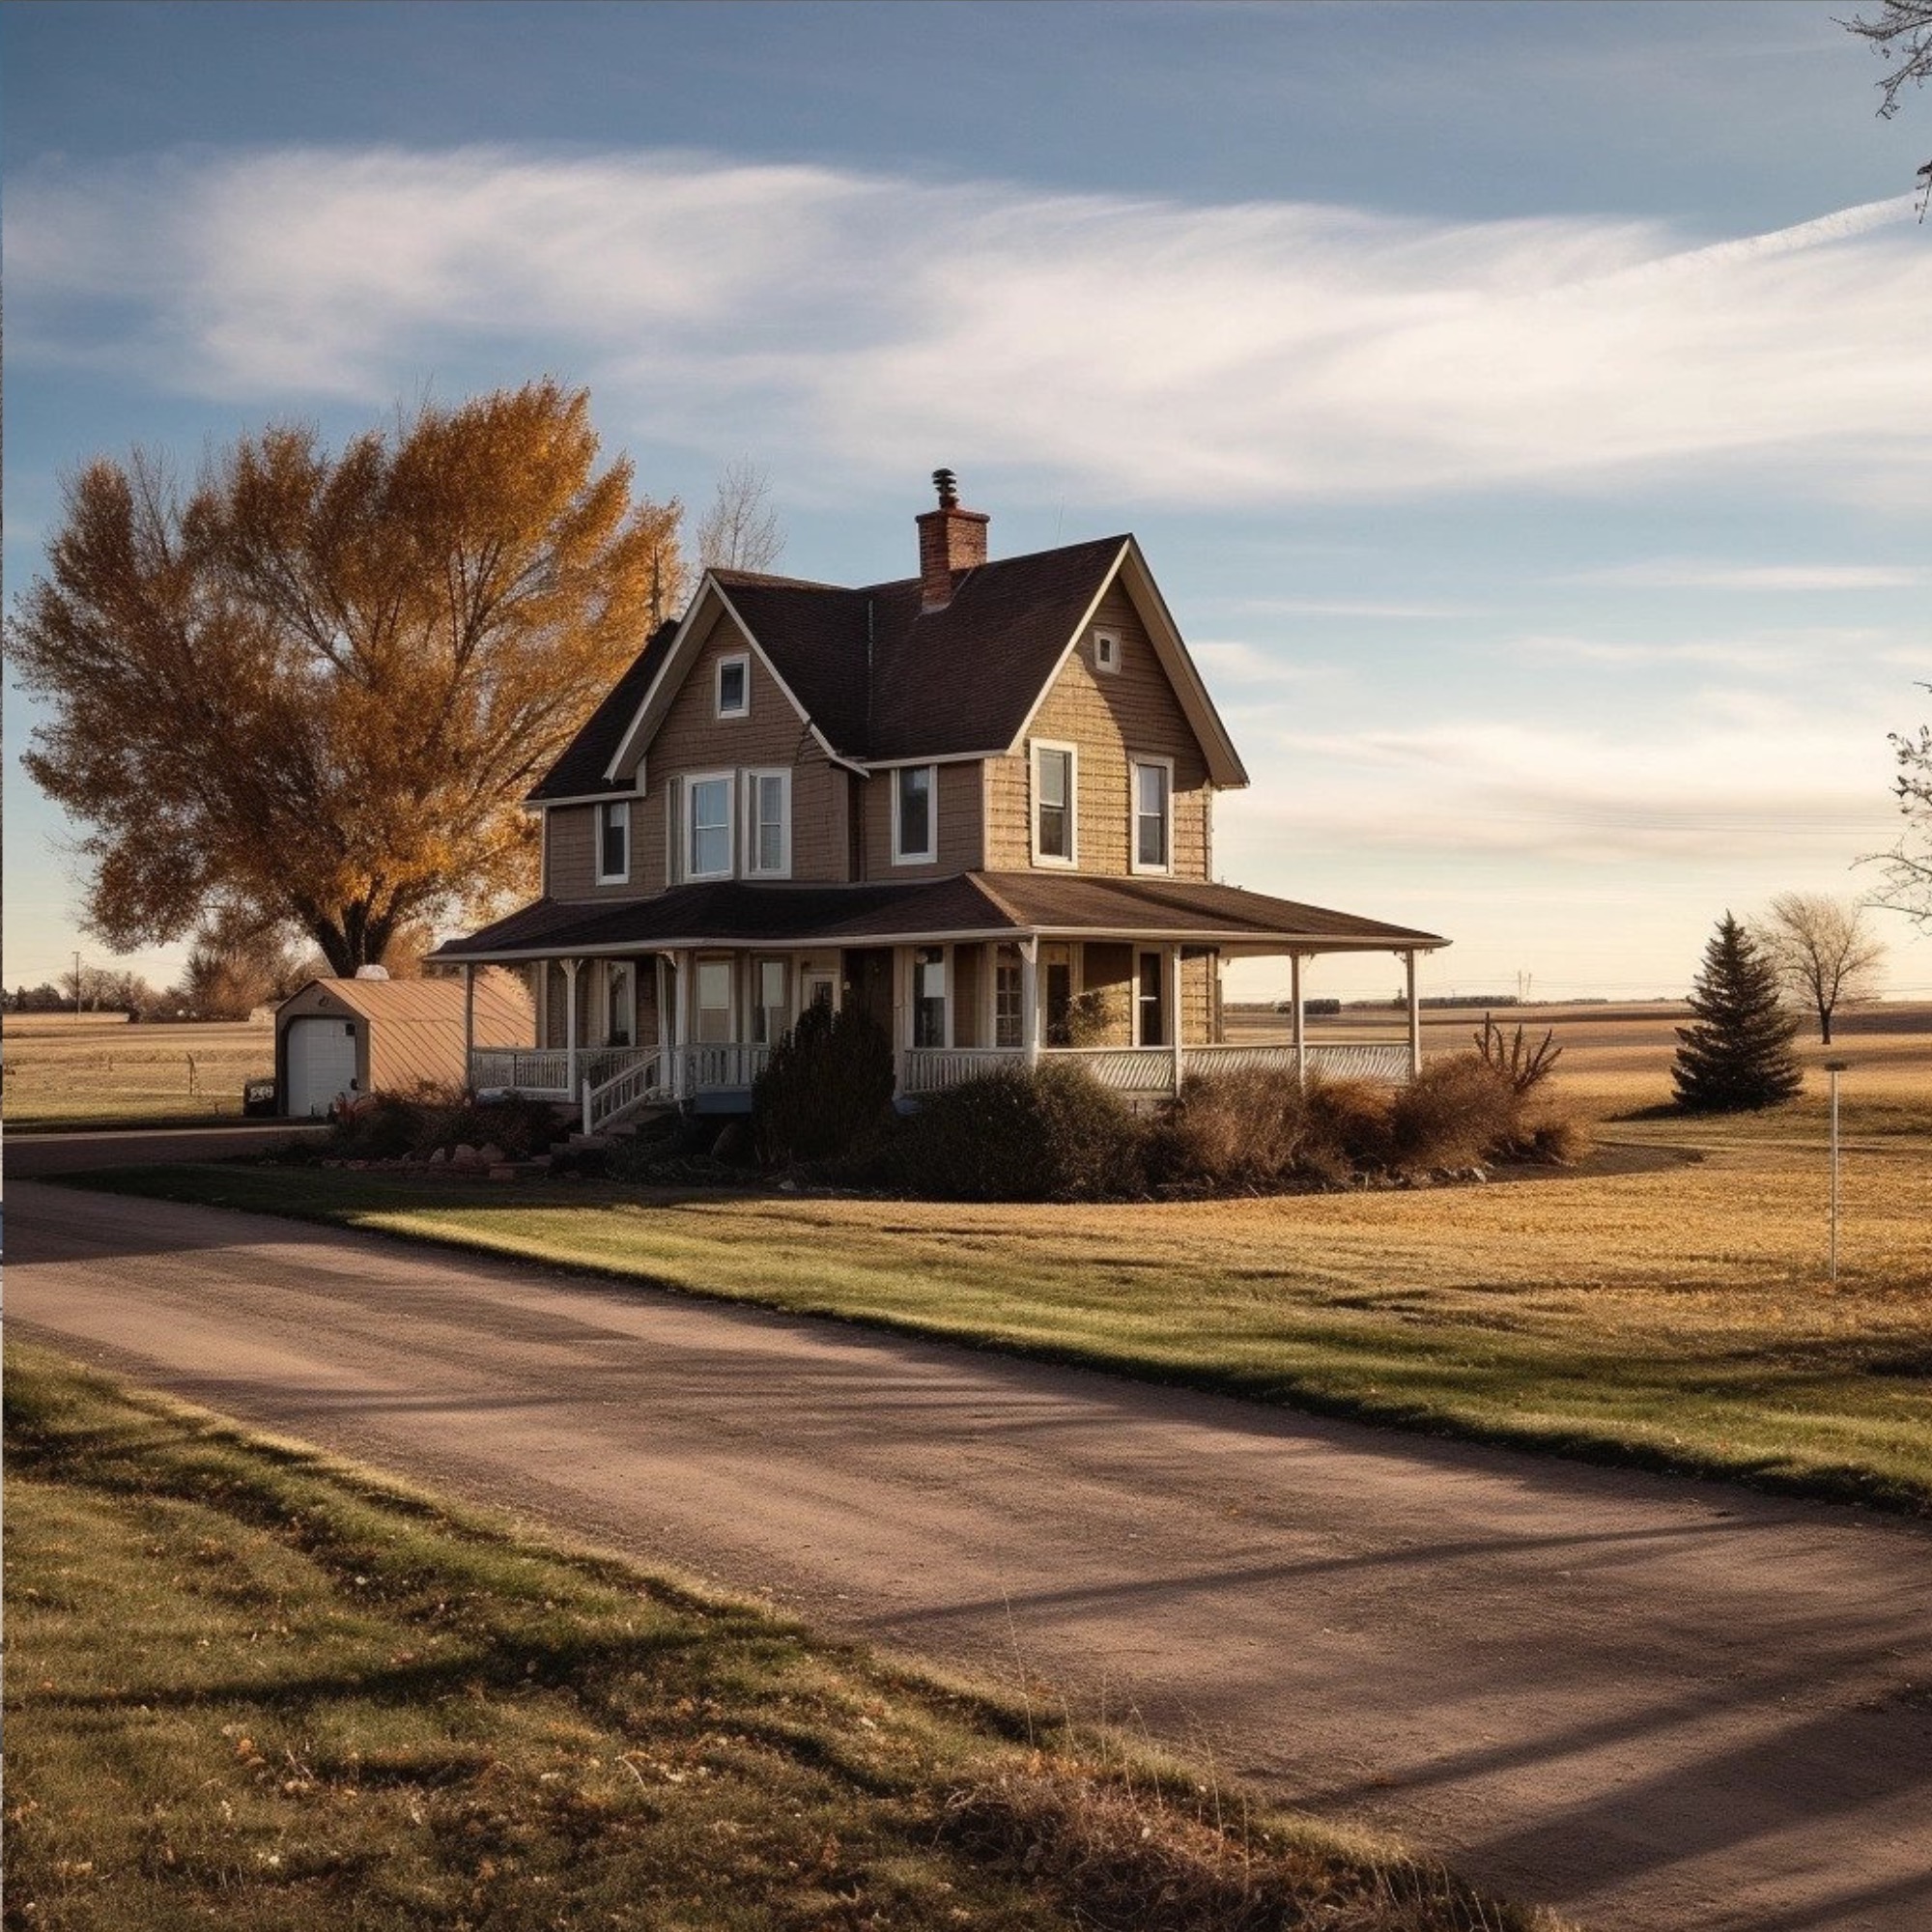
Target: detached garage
340 1038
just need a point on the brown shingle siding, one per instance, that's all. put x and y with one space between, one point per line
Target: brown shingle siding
1113 716
959 848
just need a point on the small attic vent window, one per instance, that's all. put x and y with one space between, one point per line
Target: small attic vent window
734 687
1106 650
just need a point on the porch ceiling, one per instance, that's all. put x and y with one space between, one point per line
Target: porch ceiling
969 907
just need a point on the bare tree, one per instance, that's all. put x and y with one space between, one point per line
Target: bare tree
1822 951
741 530
1901 34
1907 865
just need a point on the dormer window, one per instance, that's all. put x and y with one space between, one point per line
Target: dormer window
1106 650
734 687
1055 790
614 843
914 817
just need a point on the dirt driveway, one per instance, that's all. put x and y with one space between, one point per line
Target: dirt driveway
1652 1703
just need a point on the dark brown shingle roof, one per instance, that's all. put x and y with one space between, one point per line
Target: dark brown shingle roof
580 771
730 912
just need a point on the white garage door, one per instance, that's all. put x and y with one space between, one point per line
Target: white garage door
322 1064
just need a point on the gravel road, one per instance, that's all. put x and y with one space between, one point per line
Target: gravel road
1655 1704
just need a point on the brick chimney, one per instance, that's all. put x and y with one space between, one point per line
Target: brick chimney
950 540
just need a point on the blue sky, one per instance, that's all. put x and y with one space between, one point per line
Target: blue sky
1524 409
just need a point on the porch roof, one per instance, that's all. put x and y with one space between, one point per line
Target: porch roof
967 906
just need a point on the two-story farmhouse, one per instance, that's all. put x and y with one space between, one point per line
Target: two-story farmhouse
977 803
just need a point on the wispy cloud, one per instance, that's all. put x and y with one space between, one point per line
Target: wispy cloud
1689 573
1258 352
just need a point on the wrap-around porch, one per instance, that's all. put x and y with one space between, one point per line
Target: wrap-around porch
618 1032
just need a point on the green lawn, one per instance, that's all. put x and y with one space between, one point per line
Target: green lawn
1677 1319
254 1687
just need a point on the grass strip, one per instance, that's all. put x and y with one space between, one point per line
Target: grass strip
256 1687
1476 1312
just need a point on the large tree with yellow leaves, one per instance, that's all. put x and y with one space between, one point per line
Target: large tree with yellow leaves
314 688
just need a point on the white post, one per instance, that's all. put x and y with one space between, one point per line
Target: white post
569 968
469 1026
1834 1068
1301 1019
685 995
1029 1001
1174 969
905 996
1414 1018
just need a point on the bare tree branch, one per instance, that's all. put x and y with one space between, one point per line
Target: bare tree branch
741 530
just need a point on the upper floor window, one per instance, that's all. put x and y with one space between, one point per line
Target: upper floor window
914 813
767 824
1153 814
708 848
1106 650
1055 788
734 687
614 843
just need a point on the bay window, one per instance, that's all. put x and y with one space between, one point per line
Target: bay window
708 810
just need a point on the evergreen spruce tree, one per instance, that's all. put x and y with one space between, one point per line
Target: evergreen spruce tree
1738 1054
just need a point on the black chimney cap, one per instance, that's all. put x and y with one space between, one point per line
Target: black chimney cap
947 486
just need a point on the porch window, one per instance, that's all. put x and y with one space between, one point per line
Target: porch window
734 687
1055 776
709 855
767 824
713 999
614 843
1008 983
1153 814
1151 1000
929 1013
620 1003
771 1011
913 789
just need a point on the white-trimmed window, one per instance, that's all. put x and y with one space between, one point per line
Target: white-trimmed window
734 687
613 842
915 814
620 1003
707 813
768 825
1153 814
713 989
1008 985
1106 650
771 1000
929 996
1056 790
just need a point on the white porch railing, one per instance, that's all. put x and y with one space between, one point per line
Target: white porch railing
632 1085
540 1070
1149 1069
719 1064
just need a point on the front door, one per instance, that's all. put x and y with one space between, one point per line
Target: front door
869 984
1151 998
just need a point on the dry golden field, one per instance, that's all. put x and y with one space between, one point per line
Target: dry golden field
67 1069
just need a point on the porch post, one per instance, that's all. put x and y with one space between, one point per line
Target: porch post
685 995
570 970
1414 1018
1174 957
1301 1019
469 1025
905 993
1030 1002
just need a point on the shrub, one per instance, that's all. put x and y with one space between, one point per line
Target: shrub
1056 1134
1525 1067
385 1127
1458 1112
1253 1129
826 1088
